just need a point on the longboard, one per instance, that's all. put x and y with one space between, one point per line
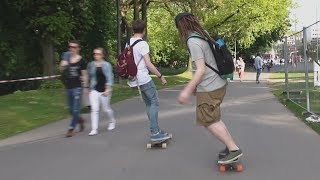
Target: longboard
235 165
163 143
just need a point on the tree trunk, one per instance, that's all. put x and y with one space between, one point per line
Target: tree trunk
144 16
118 27
127 29
135 9
48 59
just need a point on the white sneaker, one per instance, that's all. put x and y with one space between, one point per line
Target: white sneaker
313 118
93 132
111 126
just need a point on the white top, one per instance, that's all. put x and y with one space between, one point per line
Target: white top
139 50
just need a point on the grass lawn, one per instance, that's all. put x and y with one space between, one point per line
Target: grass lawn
25 110
296 81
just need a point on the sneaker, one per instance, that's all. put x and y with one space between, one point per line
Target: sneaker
233 155
111 126
313 118
70 133
160 136
93 132
223 153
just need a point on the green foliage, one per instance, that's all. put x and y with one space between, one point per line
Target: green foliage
237 20
52 84
166 47
24 24
172 71
23 111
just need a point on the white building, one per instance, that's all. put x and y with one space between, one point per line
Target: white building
313 34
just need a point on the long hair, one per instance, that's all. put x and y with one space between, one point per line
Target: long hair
189 24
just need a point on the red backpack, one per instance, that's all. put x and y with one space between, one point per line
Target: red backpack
126 68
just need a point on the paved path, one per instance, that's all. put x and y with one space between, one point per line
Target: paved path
276 145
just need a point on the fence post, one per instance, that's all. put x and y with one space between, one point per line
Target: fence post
286 63
306 64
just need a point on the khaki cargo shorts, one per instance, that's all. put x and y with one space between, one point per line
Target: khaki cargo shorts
208 106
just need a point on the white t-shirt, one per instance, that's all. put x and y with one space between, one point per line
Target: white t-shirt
139 50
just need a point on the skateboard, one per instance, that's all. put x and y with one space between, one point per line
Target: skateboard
163 143
235 165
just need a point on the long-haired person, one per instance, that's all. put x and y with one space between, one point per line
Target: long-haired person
207 85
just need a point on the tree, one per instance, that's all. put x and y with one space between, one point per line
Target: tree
51 23
34 33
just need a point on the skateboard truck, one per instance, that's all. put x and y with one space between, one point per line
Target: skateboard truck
163 143
234 165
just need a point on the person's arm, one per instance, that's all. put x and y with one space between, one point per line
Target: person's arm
150 66
197 56
153 69
84 76
109 79
196 79
197 76
64 60
85 79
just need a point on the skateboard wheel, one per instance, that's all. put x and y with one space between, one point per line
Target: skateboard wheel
164 145
239 168
148 146
222 168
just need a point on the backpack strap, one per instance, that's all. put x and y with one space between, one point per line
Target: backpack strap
136 42
196 35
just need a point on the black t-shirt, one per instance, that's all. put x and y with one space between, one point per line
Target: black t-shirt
74 73
101 80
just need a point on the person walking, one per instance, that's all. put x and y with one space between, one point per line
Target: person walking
75 75
258 65
241 66
101 81
208 87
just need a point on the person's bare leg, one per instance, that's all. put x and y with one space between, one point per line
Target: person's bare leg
220 130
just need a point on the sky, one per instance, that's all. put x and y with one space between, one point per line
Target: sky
306 13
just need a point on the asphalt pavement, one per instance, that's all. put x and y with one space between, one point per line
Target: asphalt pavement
276 145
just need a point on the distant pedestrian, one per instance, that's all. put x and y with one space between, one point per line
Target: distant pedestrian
241 66
258 65
234 62
269 65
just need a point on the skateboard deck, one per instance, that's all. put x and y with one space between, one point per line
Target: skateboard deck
235 165
163 143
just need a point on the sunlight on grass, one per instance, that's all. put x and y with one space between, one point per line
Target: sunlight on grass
277 84
22 111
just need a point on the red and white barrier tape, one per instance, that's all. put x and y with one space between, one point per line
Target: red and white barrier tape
30 79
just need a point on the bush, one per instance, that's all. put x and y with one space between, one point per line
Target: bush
52 84
172 71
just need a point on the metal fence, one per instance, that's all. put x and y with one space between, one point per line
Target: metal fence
300 52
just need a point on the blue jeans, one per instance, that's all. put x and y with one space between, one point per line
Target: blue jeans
150 96
258 74
73 102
